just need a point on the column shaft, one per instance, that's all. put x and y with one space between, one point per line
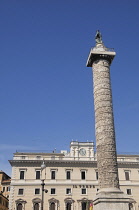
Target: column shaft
104 125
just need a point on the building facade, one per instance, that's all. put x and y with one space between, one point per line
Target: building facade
5 182
71 179
4 202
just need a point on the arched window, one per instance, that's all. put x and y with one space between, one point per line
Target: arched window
36 206
52 206
84 205
68 206
19 206
130 206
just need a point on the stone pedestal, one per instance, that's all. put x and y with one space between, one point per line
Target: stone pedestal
112 199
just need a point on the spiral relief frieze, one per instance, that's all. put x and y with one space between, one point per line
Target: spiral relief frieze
104 126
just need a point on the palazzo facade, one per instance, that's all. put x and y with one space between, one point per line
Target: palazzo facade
71 178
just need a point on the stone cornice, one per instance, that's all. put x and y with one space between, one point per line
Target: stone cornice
53 163
67 163
125 164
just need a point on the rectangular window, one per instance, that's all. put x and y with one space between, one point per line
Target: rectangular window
38 174
37 191
53 174
20 191
82 174
127 175
7 189
83 191
129 192
68 191
3 189
96 175
22 174
53 191
68 174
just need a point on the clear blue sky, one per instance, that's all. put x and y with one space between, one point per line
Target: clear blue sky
46 94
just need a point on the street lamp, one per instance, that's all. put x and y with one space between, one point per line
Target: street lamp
43 166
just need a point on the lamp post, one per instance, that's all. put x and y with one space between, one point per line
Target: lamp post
43 166
42 184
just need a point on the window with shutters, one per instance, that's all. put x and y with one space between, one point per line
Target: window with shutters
83 175
38 174
20 191
127 175
68 191
53 174
22 174
19 206
68 174
129 192
83 191
37 191
53 191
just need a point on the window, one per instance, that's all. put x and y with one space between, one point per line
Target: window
84 205
22 174
68 174
36 206
129 192
7 189
52 206
38 174
19 206
53 174
37 191
82 174
3 189
96 175
68 191
53 191
68 206
127 175
20 191
83 191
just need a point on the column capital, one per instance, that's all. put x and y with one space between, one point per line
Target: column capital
100 52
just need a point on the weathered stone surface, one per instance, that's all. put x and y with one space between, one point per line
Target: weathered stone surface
104 124
112 200
109 197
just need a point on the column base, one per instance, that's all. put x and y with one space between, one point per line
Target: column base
112 199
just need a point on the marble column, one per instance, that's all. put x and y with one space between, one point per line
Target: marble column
109 195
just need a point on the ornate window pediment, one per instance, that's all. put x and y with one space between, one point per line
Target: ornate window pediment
53 200
69 200
20 201
36 200
85 200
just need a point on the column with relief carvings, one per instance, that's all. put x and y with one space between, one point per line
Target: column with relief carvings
100 59
104 122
